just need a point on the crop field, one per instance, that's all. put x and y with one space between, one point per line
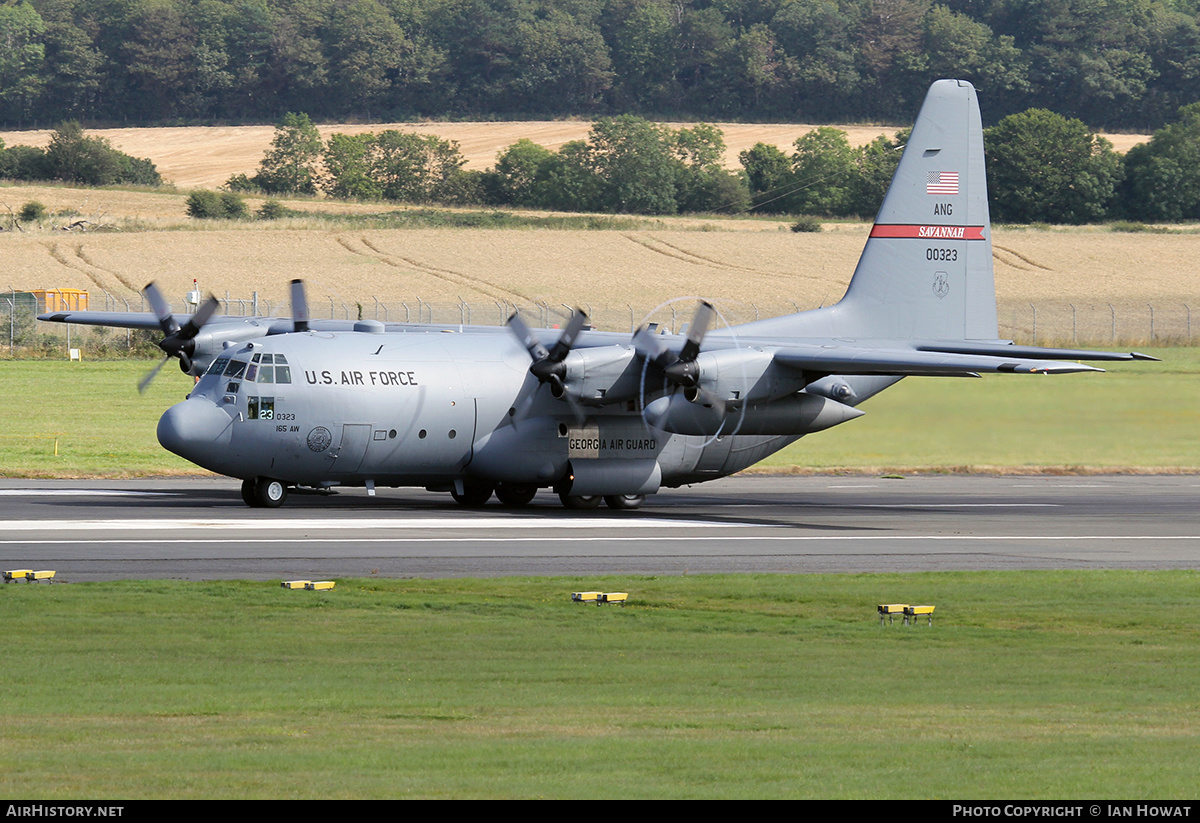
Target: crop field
750 266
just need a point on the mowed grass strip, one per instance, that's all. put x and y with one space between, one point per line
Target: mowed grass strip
1057 685
1138 416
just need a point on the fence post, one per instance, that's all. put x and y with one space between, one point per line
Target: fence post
1151 307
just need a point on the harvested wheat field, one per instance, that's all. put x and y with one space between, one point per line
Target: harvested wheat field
750 267
207 156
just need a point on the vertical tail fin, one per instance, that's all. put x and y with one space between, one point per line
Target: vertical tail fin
926 271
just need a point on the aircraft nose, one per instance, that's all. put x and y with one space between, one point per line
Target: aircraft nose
193 428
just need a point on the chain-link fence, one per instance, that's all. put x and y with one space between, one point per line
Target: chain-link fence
1041 323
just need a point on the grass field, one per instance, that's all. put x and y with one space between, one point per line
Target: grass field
1049 685
1140 416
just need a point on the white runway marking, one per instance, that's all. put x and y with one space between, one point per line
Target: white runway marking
82 493
955 506
658 539
312 524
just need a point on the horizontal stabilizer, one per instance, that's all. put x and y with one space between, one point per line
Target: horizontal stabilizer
903 362
1007 350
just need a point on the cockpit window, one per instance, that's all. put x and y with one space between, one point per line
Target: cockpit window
218 366
236 368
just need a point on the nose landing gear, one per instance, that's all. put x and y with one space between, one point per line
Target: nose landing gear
264 492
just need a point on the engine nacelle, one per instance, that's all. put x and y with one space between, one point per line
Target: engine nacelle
208 344
600 375
744 375
798 414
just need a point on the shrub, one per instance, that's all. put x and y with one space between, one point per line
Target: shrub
273 210
211 205
807 223
31 212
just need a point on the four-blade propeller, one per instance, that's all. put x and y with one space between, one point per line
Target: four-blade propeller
548 365
681 369
179 341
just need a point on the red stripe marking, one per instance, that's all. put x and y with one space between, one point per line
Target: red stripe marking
928 232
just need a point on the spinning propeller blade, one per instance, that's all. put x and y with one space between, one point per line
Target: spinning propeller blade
548 365
178 341
681 370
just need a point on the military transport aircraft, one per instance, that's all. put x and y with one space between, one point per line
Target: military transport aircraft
600 416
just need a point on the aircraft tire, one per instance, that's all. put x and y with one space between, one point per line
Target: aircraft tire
579 501
270 493
625 502
248 493
474 495
516 495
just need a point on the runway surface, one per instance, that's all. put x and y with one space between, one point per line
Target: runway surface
201 530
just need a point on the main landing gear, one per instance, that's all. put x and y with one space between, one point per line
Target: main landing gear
518 495
621 502
264 492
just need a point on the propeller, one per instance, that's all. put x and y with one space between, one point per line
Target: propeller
548 364
681 370
178 341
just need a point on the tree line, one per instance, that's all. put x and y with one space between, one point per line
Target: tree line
1110 63
1042 167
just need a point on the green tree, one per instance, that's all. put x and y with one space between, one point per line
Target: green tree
634 165
76 158
73 71
958 46
367 52
569 180
520 174
702 183
347 168
1045 167
158 58
1162 177
875 164
21 55
414 168
824 174
769 175
290 165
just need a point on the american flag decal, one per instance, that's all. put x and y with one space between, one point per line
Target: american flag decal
942 182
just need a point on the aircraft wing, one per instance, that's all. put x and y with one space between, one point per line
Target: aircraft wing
841 359
116 319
